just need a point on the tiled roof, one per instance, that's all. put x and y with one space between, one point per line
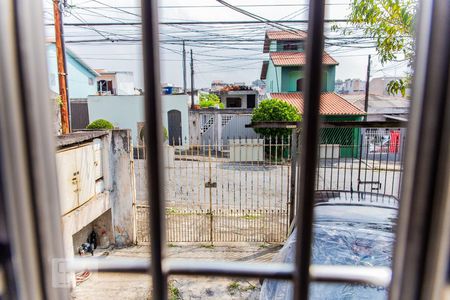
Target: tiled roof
297 59
280 35
330 103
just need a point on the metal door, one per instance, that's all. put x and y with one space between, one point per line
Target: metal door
174 123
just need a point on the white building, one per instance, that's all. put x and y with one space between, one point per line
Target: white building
115 83
127 112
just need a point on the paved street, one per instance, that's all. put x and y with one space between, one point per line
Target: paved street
138 286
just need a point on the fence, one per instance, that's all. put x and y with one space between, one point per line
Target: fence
242 189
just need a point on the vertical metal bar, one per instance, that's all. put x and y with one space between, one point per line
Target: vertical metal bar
154 136
419 263
308 154
32 147
210 195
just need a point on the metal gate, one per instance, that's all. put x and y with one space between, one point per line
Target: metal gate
234 193
241 190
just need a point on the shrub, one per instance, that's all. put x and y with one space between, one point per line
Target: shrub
210 100
274 110
100 124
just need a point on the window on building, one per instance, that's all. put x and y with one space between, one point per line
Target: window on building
299 87
234 102
251 101
290 46
105 87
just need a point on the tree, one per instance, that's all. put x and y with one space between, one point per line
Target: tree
274 110
391 24
210 100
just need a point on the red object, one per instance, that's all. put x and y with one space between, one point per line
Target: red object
395 141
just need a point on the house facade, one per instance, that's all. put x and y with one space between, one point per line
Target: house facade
114 83
284 71
284 77
81 79
127 112
81 82
238 97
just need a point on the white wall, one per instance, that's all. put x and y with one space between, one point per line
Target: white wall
126 111
124 83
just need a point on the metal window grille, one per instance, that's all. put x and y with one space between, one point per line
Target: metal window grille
422 240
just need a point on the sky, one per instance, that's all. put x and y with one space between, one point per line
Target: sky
232 53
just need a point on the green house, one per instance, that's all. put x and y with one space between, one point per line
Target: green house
284 76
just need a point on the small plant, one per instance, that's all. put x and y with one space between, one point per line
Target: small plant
249 217
233 287
100 124
207 246
170 245
210 100
249 287
263 246
171 210
174 292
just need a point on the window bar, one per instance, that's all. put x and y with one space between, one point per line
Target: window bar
308 152
154 147
421 254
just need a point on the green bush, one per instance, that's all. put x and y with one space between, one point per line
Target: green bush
100 124
274 110
210 100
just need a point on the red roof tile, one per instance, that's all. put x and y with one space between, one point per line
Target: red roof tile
292 35
330 103
279 35
297 59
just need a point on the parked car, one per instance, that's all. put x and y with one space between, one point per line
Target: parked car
350 228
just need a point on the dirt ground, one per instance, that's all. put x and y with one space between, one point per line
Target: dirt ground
138 286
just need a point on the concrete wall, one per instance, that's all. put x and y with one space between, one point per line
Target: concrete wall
123 194
126 112
81 82
116 197
290 75
273 78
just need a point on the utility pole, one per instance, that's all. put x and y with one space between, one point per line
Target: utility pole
184 69
61 61
192 81
366 99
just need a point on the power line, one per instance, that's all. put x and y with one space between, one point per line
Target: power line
198 22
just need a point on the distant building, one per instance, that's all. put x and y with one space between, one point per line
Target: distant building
127 112
378 86
80 76
350 86
115 83
216 85
169 89
238 97
284 74
381 107
81 82
258 83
